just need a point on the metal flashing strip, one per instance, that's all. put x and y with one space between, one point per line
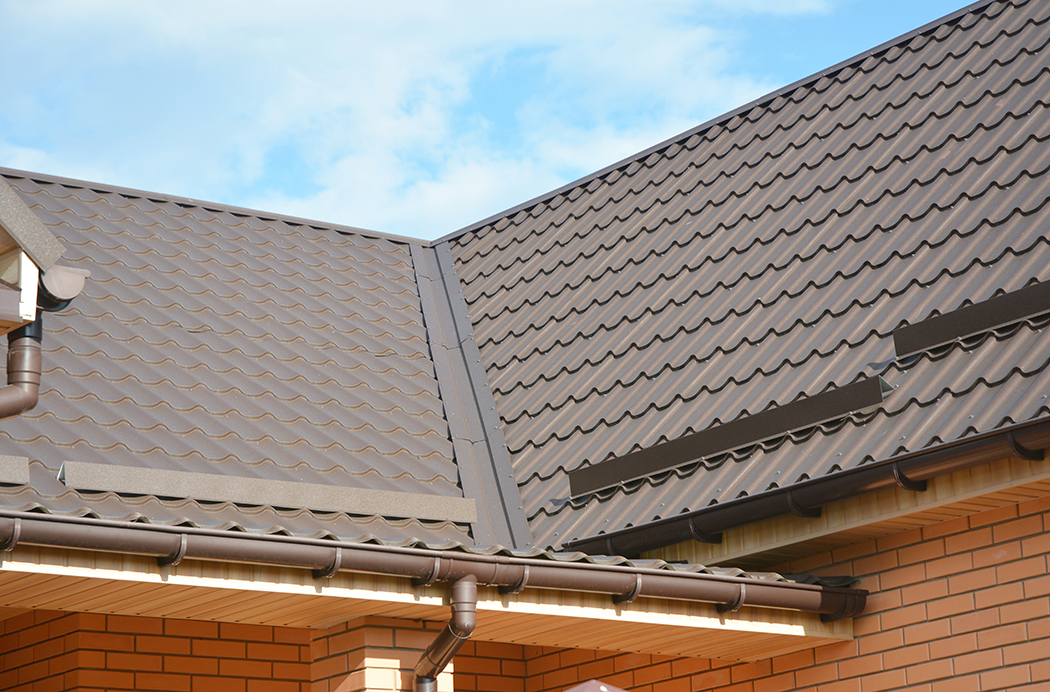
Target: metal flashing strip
735 434
14 470
485 470
28 231
81 475
974 319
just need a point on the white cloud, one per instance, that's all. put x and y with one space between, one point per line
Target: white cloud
354 113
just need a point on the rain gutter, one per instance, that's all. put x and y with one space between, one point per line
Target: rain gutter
512 574
909 471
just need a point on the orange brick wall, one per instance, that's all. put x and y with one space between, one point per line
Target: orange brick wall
45 651
391 647
961 606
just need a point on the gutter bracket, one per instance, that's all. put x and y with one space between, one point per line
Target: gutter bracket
332 569
16 533
1021 451
632 594
430 578
799 510
735 605
907 483
176 557
518 586
702 536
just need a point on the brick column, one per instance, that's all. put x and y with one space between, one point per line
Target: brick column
372 654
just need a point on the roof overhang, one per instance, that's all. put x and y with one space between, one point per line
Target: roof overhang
62 579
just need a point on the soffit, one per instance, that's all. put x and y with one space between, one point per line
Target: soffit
770 257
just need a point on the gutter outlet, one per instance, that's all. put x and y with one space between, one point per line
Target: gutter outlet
458 630
23 369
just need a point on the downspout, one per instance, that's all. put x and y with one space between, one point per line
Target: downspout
464 603
23 369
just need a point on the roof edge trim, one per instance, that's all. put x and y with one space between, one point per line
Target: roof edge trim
204 204
971 320
82 475
742 432
719 119
171 545
1030 438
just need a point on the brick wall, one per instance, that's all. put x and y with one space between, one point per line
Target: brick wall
961 606
44 651
373 653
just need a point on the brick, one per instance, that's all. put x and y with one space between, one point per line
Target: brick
994 516
1017 528
953 605
998 595
777 683
927 672
1039 505
1038 629
840 686
712 679
191 628
946 528
883 681
162 681
272 686
924 592
1005 678
996 637
879 601
594 670
997 555
214 684
902 576
835 652
109 679
273 652
682 666
292 635
219 648
194 665
242 632
945 566
923 552
953 646
1026 610
631 661
134 625
1021 569
801 659
816 675
968 542
977 620
875 564
969 683
904 616
162 645
651 674
905 656
680 685
245 669
1023 653
477 666
861 665
971 581
750 671
1034 588
500 650
878 642
131 661
978 661
927 631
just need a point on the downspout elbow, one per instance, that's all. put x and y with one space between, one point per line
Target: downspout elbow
23 369
448 642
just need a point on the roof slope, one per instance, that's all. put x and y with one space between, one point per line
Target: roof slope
768 257
221 342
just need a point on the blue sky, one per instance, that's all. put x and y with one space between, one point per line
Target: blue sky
416 118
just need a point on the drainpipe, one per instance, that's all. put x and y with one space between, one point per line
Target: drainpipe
458 630
23 369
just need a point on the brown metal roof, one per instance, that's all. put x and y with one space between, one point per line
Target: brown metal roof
218 342
769 257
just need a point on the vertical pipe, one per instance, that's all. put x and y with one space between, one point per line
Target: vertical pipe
23 369
458 630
